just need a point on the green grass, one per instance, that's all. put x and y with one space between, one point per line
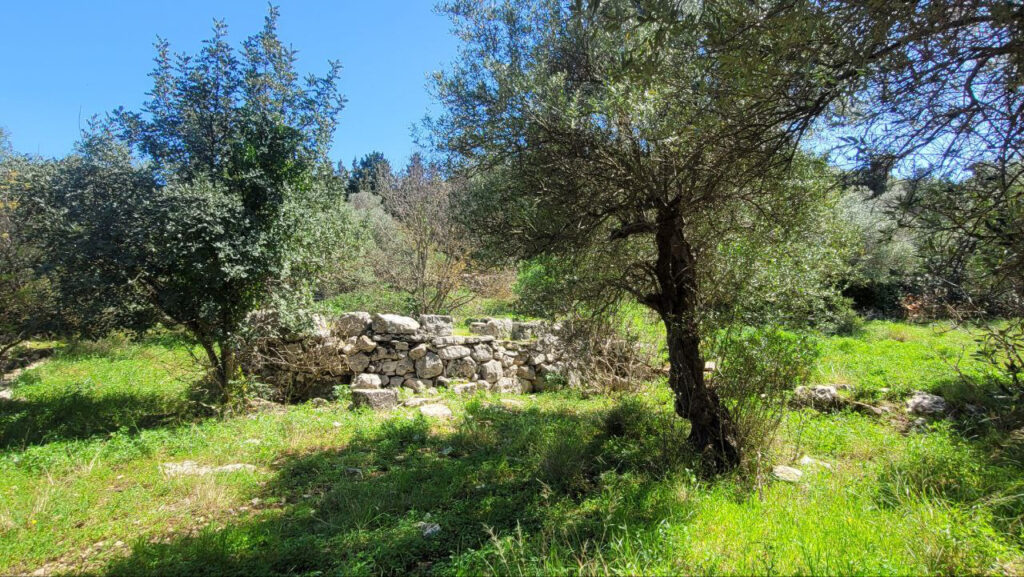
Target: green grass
565 484
891 360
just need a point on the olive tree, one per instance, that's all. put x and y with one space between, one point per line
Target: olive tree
629 137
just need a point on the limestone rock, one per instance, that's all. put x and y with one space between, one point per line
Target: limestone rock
367 381
463 368
364 344
191 468
436 410
395 382
482 353
429 529
378 399
491 371
429 366
821 397
500 328
464 388
418 352
508 385
788 474
357 363
526 372
417 385
351 324
453 352
404 366
436 325
926 404
394 324
321 327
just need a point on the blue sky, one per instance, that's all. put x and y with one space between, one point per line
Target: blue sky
65 61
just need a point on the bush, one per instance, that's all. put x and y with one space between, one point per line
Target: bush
755 371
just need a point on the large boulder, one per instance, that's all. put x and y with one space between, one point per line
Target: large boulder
378 399
436 325
351 324
429 366
394 324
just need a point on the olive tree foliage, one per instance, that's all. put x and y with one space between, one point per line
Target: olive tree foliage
629 138
942 111
25 308
205 204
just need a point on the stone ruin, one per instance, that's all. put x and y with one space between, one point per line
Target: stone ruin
379 355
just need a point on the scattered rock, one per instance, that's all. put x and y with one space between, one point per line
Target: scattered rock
417 401
922 403
821 397
191 468
428 529
378 399
319 402
513 403
464 388
787 474
436 410
6 394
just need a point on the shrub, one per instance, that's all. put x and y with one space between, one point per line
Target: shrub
755 370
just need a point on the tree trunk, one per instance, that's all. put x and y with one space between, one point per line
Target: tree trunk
222 360
712 432
228 366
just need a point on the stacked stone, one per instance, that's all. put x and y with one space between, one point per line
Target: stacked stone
394 352
384 353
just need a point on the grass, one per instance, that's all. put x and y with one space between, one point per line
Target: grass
563 484
890 360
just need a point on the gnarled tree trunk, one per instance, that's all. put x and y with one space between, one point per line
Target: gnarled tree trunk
712 432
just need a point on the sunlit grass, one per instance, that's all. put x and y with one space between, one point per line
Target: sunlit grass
565 484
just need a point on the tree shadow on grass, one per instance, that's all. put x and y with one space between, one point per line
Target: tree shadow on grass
368 508
77 414
88 408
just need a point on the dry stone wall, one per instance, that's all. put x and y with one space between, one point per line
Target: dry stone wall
380 354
